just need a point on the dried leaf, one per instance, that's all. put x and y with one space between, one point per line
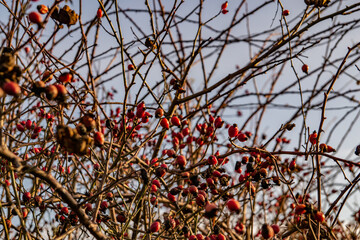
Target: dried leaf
7 62
65 15
318 3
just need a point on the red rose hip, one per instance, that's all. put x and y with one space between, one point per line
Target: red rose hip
164 123
99 13
233 131
181 160
155 226
319 216
35 17
233 205
11 88
65 77
99 139
305 68
175 121
276 228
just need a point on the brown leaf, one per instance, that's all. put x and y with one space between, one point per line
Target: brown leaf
65 15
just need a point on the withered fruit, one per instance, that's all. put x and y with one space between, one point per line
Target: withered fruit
65 15
89 121
38 88
317 3
72 141
9 71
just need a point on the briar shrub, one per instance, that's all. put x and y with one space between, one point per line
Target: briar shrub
179 120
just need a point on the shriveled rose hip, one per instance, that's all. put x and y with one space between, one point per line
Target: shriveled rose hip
267 231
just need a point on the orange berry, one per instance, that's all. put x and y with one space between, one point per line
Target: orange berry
319 216
300 209
42 9
62 91
99 13
99 139
131 67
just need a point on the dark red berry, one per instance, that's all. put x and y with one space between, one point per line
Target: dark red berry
218 122
171 197
305 68
181 161
224 5
131 67
64 210
242 137
211 210
99 13
233 131
212 160
155 226
276 228
104 205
